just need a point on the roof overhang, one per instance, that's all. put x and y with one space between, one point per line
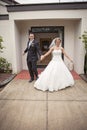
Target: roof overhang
4 17
10 1
47 6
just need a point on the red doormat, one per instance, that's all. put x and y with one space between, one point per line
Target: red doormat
24 74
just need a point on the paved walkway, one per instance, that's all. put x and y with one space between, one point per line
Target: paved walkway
24 108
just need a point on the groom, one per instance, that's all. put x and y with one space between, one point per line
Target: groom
33 50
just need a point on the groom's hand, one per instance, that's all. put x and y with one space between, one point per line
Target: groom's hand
23 54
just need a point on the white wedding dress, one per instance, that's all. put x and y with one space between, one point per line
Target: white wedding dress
56 75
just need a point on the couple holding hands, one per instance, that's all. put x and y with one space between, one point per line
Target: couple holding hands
56 75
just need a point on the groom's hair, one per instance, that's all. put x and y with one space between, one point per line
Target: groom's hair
31 33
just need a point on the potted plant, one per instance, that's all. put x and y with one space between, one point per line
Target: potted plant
84 41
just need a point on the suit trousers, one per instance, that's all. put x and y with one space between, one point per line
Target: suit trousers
32 67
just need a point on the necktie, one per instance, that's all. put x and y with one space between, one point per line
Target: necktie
30 43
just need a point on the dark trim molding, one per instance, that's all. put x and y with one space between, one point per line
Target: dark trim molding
47 6
10 1
47 29
4 17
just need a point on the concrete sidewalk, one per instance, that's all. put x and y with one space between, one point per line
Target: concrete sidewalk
24 108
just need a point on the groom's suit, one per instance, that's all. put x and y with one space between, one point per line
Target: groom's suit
33 51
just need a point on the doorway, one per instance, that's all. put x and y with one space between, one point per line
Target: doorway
45 35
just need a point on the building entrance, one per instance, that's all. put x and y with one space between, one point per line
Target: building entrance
45 35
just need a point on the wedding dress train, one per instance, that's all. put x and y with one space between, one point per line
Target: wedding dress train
56 75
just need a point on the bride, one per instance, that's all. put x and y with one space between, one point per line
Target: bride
56 75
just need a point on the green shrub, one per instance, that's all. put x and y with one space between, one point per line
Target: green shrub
84 40
4 65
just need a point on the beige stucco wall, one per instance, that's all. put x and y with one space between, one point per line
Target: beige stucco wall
3 9
50 14
74 22
5 33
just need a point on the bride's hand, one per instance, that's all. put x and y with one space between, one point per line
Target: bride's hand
42 57
71 61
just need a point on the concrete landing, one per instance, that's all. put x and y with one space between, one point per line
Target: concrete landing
24 108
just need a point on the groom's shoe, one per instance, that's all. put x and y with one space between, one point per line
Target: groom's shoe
31 80
37 78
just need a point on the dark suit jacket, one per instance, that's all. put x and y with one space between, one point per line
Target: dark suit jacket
33 51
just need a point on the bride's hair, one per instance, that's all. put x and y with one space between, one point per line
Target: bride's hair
54 41
57 38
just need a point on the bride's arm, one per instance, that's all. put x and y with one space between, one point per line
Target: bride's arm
66 54
46 54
